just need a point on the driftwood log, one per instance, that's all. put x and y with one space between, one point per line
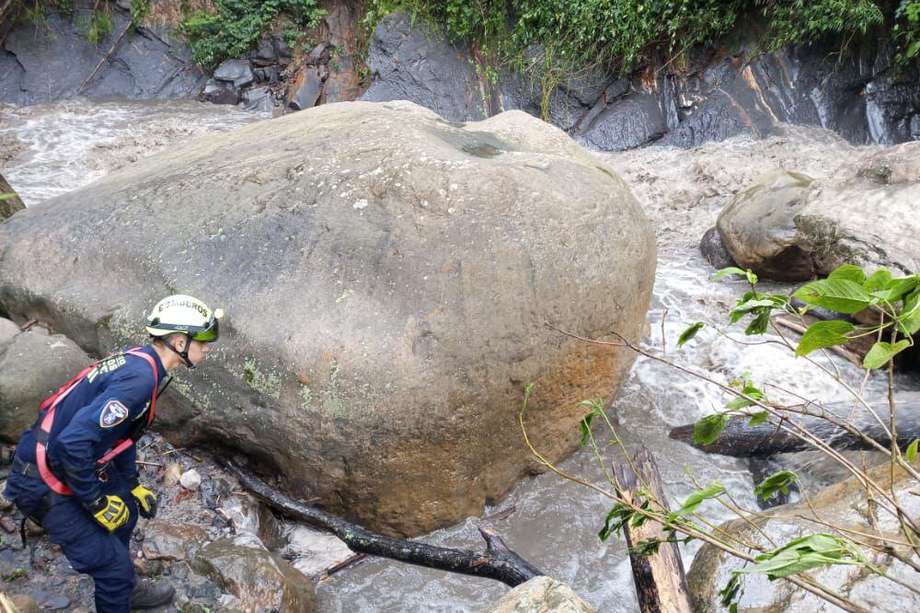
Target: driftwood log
743 440
661 584
497 562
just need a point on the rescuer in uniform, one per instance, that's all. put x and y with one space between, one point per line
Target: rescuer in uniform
75 470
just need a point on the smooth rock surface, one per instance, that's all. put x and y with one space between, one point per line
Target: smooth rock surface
386 300
32 366
787 226
542 595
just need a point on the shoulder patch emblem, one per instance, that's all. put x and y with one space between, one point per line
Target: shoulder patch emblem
113 413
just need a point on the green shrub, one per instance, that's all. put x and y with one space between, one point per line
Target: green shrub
237 25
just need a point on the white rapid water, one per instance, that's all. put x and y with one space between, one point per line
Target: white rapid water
48 150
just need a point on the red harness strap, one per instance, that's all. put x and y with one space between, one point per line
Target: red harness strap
47 424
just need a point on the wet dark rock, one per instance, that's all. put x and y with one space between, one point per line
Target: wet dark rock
716 97
51 602
714 250
220 92
318 55
269 75
265 53
258 99
307 87
54 61
237 72
414 62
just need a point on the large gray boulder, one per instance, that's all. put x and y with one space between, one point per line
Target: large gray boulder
32 366
790 227
388 277
844 505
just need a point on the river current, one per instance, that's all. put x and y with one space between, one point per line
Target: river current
48 150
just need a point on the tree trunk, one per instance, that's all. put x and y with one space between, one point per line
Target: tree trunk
661 584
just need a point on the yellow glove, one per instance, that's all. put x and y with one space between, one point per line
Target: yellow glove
111 512
146 502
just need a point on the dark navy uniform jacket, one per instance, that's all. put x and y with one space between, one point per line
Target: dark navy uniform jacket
109 404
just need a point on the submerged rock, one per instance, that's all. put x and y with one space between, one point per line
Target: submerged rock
388 277
843 504
542 595
790 227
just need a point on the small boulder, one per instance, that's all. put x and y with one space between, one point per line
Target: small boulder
190 480
33 366
220 92
262 581
237 72
714 250
312 552
258 99
790 227
305 88
172 474
8 330
542 595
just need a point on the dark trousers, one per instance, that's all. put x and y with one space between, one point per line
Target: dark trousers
93 550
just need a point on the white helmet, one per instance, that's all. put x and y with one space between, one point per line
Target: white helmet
184 314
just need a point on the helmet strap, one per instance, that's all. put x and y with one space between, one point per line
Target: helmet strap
182 354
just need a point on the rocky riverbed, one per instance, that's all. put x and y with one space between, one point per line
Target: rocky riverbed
551 522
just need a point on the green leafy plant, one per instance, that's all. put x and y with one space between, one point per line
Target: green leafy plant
889 314
236 26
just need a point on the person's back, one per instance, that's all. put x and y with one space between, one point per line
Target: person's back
75 470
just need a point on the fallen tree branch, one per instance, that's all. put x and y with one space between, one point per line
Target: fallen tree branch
661 584
105 58
498 562
740 439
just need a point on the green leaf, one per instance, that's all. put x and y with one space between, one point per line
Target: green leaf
695 499
7 196
758 418
586 428
733 270
877 280
708 429
881 352
804 554
909 318
689 333
824 334
841 295
777 482
911 452
896 289
616 519
849 271
759 324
